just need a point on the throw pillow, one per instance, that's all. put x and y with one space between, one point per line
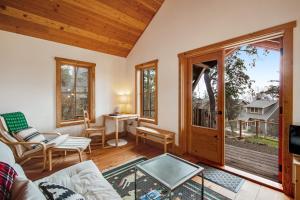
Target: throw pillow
15 122
57 192
30 135
7 176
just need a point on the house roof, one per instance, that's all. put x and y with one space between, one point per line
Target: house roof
245 116
260 104
241 101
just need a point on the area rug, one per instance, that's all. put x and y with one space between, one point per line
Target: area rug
222 178
122 179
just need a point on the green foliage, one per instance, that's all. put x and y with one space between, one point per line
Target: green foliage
273 91
236 78
269 141
237 81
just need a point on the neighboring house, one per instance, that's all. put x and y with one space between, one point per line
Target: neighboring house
264 111
241 104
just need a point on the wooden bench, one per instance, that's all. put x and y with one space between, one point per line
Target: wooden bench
156 135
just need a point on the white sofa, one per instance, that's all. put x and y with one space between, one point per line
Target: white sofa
83 178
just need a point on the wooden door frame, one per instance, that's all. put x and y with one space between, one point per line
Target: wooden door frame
286 31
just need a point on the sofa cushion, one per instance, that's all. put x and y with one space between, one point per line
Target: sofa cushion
19 170
24 189
19 149
58 192
7 156
7 176
15 122
85 179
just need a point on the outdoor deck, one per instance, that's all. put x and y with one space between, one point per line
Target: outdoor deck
262 164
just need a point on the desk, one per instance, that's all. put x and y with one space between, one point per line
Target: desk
117 119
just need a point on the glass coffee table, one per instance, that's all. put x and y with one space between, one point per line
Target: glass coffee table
169 170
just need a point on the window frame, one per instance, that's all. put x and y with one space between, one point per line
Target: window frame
139 68
91 90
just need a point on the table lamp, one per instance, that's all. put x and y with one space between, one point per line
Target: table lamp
123 101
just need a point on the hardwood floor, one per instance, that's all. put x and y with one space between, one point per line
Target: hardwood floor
110 157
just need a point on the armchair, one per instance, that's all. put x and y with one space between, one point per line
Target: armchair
16 134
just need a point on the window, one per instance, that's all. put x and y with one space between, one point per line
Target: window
146 91
75 85
254 110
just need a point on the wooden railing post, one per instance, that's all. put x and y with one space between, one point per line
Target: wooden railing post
256 127
240 128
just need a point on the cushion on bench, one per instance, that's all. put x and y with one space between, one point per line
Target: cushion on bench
147 130
155 132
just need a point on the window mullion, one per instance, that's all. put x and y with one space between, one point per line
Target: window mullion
75 89
149 93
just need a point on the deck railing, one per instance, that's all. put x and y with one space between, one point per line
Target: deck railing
257 126
204 117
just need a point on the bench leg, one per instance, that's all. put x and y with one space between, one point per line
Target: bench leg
173 147
103 139
44 159
90 150
50 159
165 146
80 155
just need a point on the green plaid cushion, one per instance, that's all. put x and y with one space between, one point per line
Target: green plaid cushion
15 122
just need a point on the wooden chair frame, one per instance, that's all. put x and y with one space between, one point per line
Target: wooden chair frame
42 152
93 131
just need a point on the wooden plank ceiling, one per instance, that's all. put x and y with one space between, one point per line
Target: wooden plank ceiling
108 26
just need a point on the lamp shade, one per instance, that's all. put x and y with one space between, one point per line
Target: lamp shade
123 99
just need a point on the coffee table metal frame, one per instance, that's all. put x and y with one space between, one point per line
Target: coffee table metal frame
198 171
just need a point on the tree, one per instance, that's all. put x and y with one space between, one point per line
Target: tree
237 81
211 95
272 90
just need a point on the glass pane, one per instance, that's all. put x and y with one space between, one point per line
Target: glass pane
82 79
148 77
82 87
68 105
204 91
67 78
81 103
74 87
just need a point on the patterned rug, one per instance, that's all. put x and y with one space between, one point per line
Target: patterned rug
122 179
222 178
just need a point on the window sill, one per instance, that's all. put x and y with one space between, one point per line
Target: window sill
147 120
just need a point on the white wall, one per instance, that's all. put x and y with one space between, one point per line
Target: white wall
184 25
27 78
